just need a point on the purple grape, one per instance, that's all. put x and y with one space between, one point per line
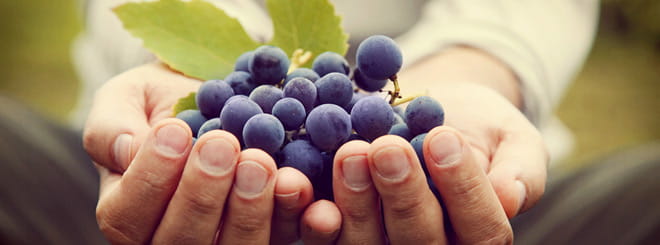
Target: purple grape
329 62
211 97
263 131
241 82
303 90
328 126
290 112
378 57
235 113
372 117
266 96
193 118
424 114
268 65
334 88
366 83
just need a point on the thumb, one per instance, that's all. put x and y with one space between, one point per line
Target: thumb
117 125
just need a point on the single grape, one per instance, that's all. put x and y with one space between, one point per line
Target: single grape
418 144
356 97
290 112
303 90
328 126
302 155
401 129
378 57
193 118
211 124
236 97
367 84
265 132
372 117
241 82
424 114
236 112
211 97
303 72
334 88
242 61
329 62
266 96
268 65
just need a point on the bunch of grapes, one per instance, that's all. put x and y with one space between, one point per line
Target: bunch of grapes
301 117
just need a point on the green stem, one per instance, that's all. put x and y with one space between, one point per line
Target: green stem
394 94
299 58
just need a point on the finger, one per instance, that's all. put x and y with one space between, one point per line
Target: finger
519 170
293 193
193 214
356 197
472 205
408 203
320 223
248 216
130 212
116 125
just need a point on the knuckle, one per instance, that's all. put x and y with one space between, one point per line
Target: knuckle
114 228
357 215
249 227
202 203
151 182
406 207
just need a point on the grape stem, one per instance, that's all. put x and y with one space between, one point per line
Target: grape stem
394 94
299 58
406 100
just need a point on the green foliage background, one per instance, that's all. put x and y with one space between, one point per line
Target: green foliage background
612 105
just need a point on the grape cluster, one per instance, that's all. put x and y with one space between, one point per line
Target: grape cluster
303 116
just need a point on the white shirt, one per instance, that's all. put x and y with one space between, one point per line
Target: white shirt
544 42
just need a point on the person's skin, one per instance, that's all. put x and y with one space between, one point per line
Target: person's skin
488 163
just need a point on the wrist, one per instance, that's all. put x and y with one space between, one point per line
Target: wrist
462 64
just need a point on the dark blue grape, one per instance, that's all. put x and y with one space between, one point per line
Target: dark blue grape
242 62
328 126
236 97
334 88
418 144
402 130
268 65
367 84
378 57
424 114
290 112
193 118
265 132
211 97
303 90
211 124
266 96
236 112
372 117
302 155
304 73
397 119
329 62
241 82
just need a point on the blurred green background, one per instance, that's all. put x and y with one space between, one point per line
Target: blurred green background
613 104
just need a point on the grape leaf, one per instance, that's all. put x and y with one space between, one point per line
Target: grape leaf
311 25
193 37
185 103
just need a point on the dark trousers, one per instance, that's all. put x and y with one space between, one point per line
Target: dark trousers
49 189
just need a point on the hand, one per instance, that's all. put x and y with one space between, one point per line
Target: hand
488 163
156 187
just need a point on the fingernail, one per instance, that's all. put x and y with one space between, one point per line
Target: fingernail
356 173
446 148
392 163
172 139
217 156
122 150
251 179
522 196
288 201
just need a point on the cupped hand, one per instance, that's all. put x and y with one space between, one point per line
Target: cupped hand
156 187
488 164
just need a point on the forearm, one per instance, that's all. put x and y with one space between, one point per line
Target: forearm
463 64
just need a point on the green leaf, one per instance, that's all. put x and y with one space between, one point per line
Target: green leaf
193 37
310 25
185 103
